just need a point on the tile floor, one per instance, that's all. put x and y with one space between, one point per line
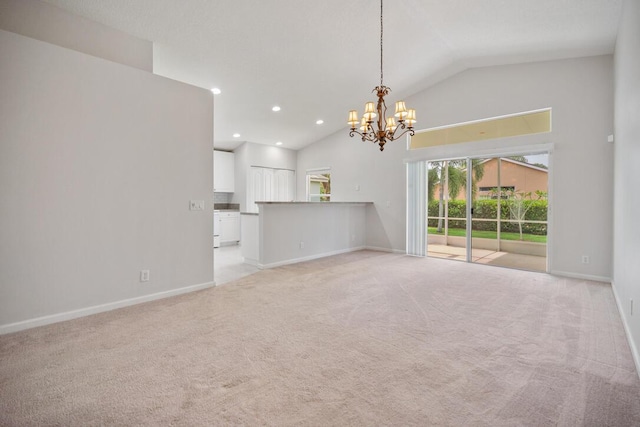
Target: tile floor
228 264
481 256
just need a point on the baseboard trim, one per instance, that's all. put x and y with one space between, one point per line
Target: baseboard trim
390 250
627 331
309 258
74 314
581 276
251 261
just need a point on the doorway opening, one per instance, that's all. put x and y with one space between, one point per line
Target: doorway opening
489 210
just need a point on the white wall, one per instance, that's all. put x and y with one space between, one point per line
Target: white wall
43 21
294 232
627 171
252 154
380 177
98 162
580 92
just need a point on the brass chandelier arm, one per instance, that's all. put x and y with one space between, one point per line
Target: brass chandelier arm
382 137
368 136
410 131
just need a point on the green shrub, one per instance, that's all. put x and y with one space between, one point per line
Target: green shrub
537 211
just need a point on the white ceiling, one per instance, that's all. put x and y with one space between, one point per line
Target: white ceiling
319 59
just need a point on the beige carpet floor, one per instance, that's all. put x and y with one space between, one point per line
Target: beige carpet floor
365 338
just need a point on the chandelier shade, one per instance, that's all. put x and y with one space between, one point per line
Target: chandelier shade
383 129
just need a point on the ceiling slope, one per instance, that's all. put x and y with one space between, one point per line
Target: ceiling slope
320 59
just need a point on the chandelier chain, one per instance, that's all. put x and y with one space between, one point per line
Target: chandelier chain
381 31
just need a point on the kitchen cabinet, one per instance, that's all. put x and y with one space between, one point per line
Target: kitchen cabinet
229 227
269 185
223 172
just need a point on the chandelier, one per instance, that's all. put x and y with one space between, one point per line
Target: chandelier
385 129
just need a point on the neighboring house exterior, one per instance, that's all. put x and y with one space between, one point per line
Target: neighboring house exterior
514 175
319 190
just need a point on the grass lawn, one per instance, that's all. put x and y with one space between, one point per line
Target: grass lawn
491 235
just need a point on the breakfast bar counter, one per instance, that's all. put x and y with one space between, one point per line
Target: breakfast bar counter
288 232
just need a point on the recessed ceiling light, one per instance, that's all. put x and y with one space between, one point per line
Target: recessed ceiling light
216 91
279 143
236 135
319 122
275 108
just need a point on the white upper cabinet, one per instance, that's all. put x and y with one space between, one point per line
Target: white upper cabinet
223 172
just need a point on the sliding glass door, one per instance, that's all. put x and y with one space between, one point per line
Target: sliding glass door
485 240
447 218
489 210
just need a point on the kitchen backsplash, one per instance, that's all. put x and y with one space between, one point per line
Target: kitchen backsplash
222 201
222 197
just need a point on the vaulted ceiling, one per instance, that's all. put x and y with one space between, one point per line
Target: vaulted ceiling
319 59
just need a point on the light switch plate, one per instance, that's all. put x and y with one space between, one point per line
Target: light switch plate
196 205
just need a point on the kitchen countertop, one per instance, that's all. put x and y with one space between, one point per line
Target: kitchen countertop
226 207
314 203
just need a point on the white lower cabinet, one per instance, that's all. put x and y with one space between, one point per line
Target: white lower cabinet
229 227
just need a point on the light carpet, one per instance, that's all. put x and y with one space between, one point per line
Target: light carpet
365 338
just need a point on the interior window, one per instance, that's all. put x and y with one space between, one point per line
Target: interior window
319 185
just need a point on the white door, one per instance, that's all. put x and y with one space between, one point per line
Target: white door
284 185
291 185
268 185
255 191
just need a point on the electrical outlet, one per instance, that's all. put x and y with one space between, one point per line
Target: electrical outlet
357 187
353 237
301 245
144 275
585 259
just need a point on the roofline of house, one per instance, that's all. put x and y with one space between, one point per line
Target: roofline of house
520 163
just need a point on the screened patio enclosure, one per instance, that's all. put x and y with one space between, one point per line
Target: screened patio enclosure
489 210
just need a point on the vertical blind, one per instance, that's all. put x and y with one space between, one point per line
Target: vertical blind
416 208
